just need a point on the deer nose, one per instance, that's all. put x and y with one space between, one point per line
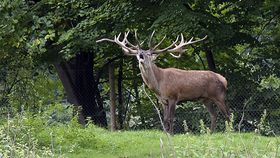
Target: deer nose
141 56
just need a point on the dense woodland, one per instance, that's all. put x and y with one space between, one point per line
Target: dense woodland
48 56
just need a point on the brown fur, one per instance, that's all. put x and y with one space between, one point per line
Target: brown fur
173 85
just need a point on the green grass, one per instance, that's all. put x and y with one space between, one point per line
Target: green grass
147 144
96 142
25 136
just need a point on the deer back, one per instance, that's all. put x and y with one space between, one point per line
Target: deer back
191 85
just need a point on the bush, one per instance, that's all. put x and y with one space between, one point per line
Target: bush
46 134
18 140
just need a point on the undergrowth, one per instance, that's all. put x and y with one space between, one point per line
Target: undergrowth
55 133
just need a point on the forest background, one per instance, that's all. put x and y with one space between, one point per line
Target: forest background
49 58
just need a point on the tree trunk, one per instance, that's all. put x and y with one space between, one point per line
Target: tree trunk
120 98
210 60
99 101
112 97
77 78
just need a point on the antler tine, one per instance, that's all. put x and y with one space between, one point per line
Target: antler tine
142 42
165 49
191 42
136 38
127 50
179 48
182 38
130 44
105 39
155 47
126 34
179 55
119 36
150 41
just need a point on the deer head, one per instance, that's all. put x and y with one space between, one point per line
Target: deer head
146 57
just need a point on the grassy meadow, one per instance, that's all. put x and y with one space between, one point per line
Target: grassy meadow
139 144
30 135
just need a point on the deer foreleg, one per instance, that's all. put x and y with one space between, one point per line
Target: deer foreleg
166 118
171 108
213 114
168 115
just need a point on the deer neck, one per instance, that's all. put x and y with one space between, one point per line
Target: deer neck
150 74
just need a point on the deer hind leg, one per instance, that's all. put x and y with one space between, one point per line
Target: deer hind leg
222 107
213 114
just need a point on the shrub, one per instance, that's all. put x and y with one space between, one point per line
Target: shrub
18 140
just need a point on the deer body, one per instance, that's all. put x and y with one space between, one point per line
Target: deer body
173 85
188 85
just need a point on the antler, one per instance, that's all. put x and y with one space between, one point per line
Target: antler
165 49
150 41
132 50
178 48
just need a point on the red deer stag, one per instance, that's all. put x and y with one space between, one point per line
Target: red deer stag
173 85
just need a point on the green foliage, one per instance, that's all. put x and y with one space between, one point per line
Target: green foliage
263 127
28 135
18 140
12 27
203 128
45 134
186 127
271 82
26 88
229 125
243 35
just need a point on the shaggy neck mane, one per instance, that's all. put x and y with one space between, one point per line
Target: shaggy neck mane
150 76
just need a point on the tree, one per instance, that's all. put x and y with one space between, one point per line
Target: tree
112 96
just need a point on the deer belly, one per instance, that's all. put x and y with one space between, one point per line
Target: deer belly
191 93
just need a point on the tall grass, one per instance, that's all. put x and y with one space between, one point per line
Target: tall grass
54 133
